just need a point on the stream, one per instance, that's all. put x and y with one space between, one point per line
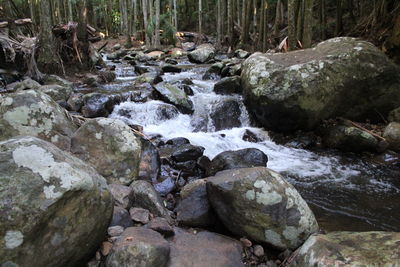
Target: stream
344 191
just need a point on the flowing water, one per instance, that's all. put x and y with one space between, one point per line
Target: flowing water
345 192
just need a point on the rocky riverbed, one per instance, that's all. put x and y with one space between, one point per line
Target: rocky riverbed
159 159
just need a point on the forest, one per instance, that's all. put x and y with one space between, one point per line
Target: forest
199 133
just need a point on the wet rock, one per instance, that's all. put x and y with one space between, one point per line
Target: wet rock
54 79
117 54
149 77
352 139
56 92
392 135
162 226
202 54
174 95
350 249
339 77
144 196
226 115
123 195
51 201
99 105
141 69
188 90
178 141
35 114
187 81
394 115
228 85
107 76
141 92
187 152
231 69
214 71
260 204
194 209
111 147
121 218
204 249
139 215
243 158
75 102
171 61
115 230
250 136
242 54
139 246
171 68
161 111
150 163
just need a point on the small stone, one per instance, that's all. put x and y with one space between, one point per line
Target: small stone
258 251
140 215
115 230
246 243
98 255
105 248
271 264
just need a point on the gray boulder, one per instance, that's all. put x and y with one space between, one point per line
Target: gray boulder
34 113
138 246
392 135
174 95
55 208
228 85
339 77
111 147
202 54
258 203
350 249
56 92
394 115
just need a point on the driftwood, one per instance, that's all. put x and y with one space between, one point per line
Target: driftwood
18 22
65 31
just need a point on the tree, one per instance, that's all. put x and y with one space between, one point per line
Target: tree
292 38
48 59
308 23
157 28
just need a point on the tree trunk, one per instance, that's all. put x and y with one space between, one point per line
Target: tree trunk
339 18
175 15
200 16
278 18
308 23
157 28
300 21
265 28
48 59
144 8
219 22
292 38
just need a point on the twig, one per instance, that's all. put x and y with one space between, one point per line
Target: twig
101 48
362 128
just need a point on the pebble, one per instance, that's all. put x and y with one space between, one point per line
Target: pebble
115 230
259 251
140 215
246 243
105 248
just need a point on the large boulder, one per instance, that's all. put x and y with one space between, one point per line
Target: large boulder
54 209
138 246
394 115
202 54
204 249
56 92
174 95
228 85
243 158
392 135
34 113
111 147
350 249
339 77
258 203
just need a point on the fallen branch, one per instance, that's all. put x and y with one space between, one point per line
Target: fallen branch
351 123
102 47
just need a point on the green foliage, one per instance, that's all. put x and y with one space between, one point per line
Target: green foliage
168 30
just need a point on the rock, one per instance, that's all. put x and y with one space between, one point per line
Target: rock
231 69
105 248
115 230
54 79
111 147
123 195
162 226
350 249
187 152
352 139
139 246
250 136
188 46
240 53
99 105
392 135
260 204
339 77
26 85
228 85
150 163
107 76
188 90
171 61
226 114
75 102
35 114
204 249
394 115
245 242
155 54
177 52
259 251
194 209
141 69
173 95
178 141
117 54
144 196
52 205
202 54
171 68
116 47
121 218
56 92
214 71
140 215
243 158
